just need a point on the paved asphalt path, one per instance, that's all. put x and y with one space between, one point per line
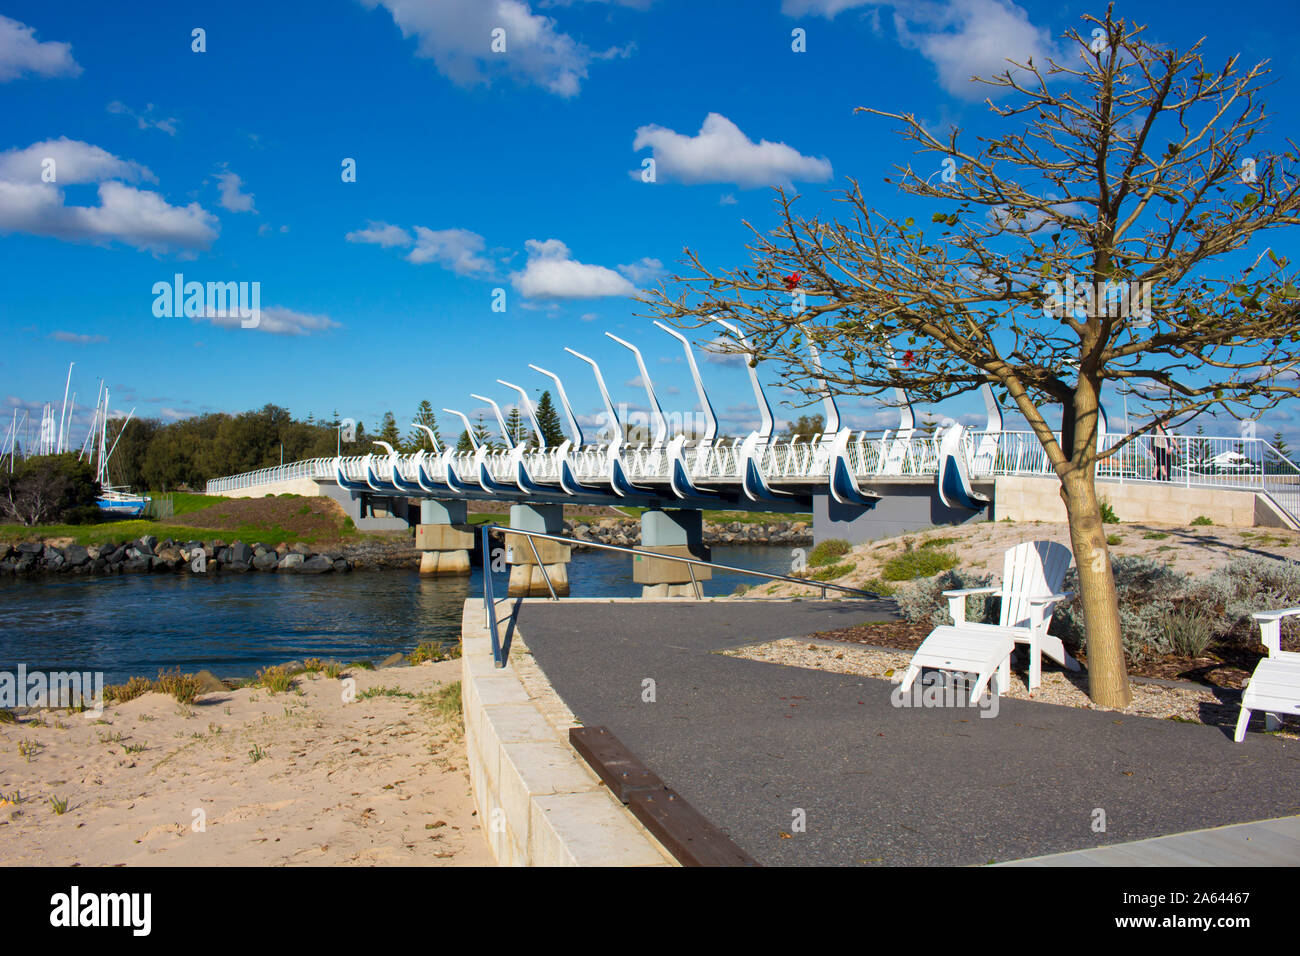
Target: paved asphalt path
748 742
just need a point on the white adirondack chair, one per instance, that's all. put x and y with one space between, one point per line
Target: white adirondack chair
1275 686
1032 574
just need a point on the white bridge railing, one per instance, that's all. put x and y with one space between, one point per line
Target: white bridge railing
1187 460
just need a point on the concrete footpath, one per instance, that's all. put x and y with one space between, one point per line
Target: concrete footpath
759 747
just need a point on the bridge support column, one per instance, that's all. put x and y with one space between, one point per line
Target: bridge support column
444 539
679 532
527 579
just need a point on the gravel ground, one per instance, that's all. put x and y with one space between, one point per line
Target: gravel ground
1191 704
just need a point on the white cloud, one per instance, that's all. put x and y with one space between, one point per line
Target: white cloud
644 271
716 351
456 249
231 196
968 38
146 119
457 36
277 321
136 217
550 273
76 338
727 199
961 38
21 52
721 153
381 234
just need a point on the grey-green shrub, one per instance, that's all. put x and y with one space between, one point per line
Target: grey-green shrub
923 600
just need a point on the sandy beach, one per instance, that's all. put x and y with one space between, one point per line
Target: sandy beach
247 777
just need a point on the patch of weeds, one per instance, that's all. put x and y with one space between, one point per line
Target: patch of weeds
1165 547
1154 536
59 805
832 571
134 748
112 738
27 749
878 586
445 701
121 693
184 687
924 563
827 551
938 542
7 717
277 679
1108 515
333 670
434 651
1113 539
364 665
1201 521
257 753
383 691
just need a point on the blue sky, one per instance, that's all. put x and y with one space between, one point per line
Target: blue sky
475 171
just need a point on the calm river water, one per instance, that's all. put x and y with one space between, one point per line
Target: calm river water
234 624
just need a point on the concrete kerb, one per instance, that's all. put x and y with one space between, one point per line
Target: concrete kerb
539 802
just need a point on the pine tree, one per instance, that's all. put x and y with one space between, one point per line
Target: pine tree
463 442
548 420
515 431
1279 442
388 430
417 439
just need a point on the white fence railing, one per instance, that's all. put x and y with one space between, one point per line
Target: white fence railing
1187 460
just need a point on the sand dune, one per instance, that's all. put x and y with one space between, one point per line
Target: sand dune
380 780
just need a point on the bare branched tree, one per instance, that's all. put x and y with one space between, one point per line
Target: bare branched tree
1132 170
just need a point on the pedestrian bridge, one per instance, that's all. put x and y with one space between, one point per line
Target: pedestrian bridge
952 475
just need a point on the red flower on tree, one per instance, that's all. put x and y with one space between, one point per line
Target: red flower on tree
792 281
908 357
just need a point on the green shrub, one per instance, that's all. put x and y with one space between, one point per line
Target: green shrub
831 571
1113 539
1188 630
1146 590
1154 536
918 564
1108 515
827 551
1201 521
938 542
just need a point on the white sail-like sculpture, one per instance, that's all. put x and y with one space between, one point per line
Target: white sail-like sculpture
661 423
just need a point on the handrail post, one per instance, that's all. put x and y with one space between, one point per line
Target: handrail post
545 577
489 599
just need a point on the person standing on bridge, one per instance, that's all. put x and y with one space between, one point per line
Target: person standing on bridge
1164 447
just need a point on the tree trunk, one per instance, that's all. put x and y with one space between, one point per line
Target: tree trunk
1107 678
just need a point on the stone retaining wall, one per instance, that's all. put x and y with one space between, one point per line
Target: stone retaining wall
539 802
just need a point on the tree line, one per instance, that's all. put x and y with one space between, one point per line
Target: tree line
165 456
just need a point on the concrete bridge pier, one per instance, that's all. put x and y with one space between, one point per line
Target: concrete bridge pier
526 578
679 532
444 538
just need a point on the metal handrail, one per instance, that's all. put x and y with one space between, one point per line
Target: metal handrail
489 599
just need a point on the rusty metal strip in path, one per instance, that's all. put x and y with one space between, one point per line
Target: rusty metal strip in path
682 829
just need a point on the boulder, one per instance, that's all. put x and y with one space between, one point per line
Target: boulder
314 565
290 563
209 683
393 660
266 561
223 556
240 553
147 543
54 561
31 548
341 565
76 554
116 556
5 550
138 565
170 557
300 548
